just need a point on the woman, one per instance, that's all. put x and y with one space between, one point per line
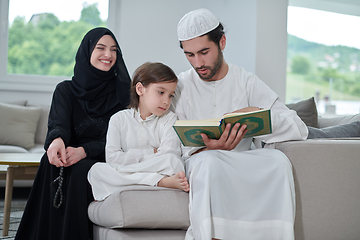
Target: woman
78 120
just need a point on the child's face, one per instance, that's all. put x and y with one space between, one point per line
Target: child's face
155 98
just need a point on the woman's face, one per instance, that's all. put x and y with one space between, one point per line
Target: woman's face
103 56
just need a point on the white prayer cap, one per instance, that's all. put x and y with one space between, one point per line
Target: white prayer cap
196 23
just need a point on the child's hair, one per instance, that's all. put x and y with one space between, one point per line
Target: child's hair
147 74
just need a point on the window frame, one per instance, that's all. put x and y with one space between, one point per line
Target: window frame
28 82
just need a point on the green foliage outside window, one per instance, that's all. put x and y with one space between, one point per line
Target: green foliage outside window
47 46
313 65
300 65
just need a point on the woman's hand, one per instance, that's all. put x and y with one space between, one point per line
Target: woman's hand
73 155
56 152
59 156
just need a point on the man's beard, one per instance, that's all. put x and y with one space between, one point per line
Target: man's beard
214 69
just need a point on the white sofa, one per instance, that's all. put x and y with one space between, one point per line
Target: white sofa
327 180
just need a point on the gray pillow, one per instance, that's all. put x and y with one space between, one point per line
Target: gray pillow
332 121
18 125
307 111
339 131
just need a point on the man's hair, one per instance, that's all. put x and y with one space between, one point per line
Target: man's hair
147 74
214 35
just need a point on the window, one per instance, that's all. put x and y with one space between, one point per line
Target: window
324 60
40 39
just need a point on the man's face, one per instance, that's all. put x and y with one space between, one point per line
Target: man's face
205 57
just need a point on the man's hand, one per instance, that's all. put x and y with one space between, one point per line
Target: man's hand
228 140
73 155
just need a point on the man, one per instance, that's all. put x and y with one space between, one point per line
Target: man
235 192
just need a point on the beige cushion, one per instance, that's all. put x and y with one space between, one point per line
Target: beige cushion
307 111
18 125
142 207
101 233
42 126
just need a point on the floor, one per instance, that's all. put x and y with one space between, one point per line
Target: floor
17 206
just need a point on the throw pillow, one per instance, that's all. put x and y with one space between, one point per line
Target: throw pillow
339 131
18 125
307 111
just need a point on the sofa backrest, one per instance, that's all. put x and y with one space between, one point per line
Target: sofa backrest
333 121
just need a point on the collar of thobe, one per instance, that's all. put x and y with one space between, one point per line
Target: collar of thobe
138 117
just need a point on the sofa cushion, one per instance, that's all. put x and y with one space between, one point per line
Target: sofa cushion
19 102
42 126
306 110
38 148
12 149
101 233
142 207
18 125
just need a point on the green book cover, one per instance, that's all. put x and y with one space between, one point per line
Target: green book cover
258 123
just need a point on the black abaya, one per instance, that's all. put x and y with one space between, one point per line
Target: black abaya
41 220
79 115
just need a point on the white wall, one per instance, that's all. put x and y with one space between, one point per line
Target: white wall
146 30
144 37
255 30
33 98
271 44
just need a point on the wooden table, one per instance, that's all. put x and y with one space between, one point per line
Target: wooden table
19 166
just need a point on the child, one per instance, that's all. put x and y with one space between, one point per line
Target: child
142 147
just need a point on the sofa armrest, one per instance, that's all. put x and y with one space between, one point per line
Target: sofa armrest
327 180
328 122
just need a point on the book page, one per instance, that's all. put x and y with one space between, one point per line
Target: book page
202 122
243 113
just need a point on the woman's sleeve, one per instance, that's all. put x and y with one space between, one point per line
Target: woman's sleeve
60 116
95 149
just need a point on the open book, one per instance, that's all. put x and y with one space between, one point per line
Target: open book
257 122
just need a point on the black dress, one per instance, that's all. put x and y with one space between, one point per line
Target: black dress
41 220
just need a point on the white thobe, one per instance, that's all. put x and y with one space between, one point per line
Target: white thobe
238 194
129 151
